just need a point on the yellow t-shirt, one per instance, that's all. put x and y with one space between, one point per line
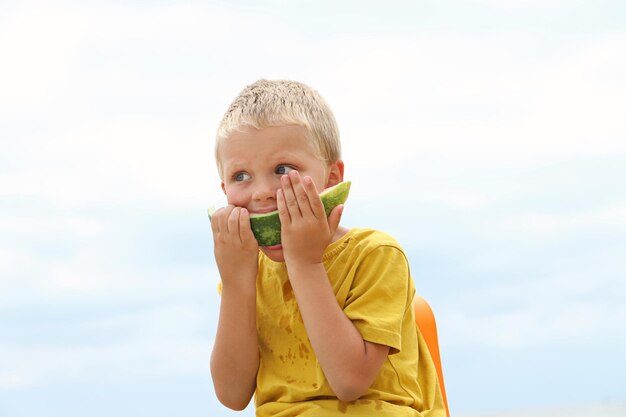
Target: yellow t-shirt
370 277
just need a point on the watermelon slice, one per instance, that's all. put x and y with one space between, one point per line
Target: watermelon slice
266 226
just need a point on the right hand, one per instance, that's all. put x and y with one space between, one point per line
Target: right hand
236 249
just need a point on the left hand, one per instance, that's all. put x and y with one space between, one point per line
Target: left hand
305 230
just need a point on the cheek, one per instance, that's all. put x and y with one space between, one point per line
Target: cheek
236 197
320 182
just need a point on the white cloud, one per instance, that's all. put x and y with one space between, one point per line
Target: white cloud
533 103
538 296
92 273
538 322
536 6
30 41
44 365
546 227
161 341
603 408
459 107
46 223
54 256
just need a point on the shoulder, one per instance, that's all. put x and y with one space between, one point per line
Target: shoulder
372 238
367 243
360 244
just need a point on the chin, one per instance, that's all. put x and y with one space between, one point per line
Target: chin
275 253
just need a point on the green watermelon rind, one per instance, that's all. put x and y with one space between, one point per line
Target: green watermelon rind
266 226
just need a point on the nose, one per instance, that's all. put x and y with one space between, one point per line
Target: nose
265 189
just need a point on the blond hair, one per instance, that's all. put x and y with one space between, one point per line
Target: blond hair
267 103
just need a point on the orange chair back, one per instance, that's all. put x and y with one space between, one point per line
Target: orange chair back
425 320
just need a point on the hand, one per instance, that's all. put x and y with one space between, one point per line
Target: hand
305 230
236 249
235 356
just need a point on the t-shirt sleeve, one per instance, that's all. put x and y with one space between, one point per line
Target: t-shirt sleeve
380 295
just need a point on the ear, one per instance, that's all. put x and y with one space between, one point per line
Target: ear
335 173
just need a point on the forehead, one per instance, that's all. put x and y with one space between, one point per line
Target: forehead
251 143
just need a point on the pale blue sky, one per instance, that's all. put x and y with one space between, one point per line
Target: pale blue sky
487 136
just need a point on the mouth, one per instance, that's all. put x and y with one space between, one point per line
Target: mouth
273 247
262 210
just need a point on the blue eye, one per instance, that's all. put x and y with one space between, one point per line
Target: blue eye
283 169
241 176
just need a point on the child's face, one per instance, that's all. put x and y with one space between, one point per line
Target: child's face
253 161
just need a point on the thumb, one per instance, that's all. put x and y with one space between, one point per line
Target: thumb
334 217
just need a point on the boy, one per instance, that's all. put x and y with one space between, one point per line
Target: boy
321 325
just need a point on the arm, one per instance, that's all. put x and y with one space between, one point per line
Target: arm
235 357
350 364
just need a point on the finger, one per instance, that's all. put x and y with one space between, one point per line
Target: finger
283 212
217 219
290 197
232 222
315 202
334 218
302 196
245 230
